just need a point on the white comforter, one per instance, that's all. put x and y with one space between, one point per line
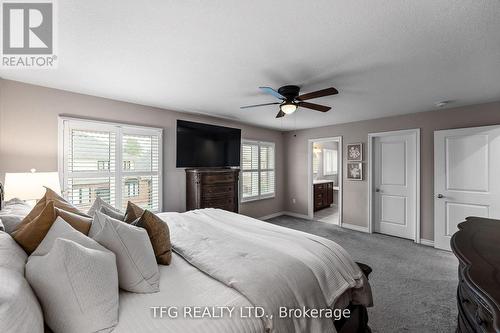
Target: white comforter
270 265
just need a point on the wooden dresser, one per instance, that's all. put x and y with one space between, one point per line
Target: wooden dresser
212 188
477 247
323 195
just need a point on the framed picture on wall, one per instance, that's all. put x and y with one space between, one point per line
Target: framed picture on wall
355 151
354 171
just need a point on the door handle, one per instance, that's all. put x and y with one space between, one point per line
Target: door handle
377 190
440 196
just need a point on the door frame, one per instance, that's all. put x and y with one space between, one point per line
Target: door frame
310 192
371 179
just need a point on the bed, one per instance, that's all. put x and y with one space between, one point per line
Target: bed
222 259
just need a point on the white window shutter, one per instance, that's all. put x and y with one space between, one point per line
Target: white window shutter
258 170
115 162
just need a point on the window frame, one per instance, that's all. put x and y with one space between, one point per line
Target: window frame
67 123
259 170
325 162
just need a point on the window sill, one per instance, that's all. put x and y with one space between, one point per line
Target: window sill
244 201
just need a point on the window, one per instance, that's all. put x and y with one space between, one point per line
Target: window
118 163
102 165
132 188
258 174
330 163
128 165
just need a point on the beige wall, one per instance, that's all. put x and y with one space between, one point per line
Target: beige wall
356 192
28 136
28 139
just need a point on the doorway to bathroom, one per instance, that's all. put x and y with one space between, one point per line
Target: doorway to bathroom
325 180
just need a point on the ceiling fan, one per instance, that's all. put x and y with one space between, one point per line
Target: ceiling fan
291 100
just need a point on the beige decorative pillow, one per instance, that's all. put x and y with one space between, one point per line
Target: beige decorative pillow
79 222
59 202
133 212
31 234
159 235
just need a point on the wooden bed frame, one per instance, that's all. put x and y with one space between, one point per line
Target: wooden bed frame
358 321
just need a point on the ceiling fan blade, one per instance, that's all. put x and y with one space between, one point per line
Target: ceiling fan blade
280 114
313 106
257 105
319 93
271 91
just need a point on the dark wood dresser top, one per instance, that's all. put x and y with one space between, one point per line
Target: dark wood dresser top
477 247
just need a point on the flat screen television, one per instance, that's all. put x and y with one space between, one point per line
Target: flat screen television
207 146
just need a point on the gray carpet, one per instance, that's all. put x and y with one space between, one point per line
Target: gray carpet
413 285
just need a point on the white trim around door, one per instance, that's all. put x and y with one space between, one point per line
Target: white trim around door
310 204
371 178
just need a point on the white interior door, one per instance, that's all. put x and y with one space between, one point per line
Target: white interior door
466 178
395 183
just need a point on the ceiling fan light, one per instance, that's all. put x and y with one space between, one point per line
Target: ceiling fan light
288 107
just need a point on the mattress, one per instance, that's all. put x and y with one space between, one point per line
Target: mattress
182 285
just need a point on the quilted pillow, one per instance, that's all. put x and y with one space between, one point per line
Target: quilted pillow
20 311
77 287
135 259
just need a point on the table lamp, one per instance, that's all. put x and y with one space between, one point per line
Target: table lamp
30 186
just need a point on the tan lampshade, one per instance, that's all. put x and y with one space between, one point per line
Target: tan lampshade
30 185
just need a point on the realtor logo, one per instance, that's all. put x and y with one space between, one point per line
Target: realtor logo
28 34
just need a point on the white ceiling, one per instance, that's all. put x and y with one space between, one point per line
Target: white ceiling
386 57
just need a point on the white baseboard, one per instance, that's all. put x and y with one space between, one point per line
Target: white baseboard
270 216
355 227
426 242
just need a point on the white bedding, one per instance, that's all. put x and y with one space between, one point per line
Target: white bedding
183 285
270 265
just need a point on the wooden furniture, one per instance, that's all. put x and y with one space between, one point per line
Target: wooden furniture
212 188
323 195
477 247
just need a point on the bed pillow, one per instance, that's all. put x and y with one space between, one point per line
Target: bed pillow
133 212
111 212
61 229
59 202
13 213
135 259
79 222
159 235
98 204
31 234
20 311
77 287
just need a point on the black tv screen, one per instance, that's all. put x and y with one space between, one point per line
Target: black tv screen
207 146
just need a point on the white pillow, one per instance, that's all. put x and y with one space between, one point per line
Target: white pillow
62 229
20 311
137 268
77 287
13 212
98 204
